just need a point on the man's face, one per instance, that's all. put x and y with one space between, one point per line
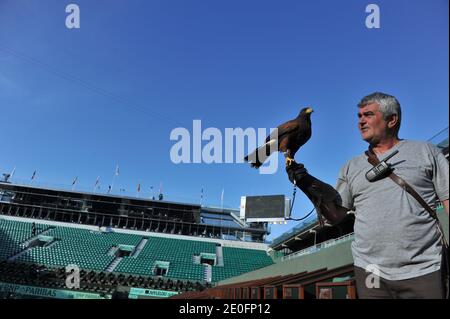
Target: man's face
371 123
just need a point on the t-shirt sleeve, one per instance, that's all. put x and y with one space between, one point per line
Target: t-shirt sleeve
343 188
440 173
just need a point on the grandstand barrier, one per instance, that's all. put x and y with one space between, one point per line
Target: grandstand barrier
336 290
305 288
275 289
41 292
247 289
316 248
141 293
294 286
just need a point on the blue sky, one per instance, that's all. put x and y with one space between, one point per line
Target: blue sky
78 102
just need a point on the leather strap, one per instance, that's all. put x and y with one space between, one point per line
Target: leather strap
373 159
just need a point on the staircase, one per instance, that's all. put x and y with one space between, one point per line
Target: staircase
139 248
113 264
208 273
26 244
219 255
196 260
30 240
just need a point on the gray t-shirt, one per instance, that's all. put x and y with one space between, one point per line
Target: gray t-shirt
392 230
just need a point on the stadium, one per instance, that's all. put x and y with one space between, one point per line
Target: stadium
272 103
65 244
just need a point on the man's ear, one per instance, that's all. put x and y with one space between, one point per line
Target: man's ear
392 121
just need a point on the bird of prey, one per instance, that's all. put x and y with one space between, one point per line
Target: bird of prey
291 136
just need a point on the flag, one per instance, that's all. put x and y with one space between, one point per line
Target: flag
221 197
201 196
117 170
34 175
12 173
139 187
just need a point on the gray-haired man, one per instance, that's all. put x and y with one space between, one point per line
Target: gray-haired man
393 232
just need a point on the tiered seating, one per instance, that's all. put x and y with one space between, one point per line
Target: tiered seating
12 234
86 249
179 253
89 250
238 261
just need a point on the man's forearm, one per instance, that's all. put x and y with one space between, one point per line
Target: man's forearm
324 197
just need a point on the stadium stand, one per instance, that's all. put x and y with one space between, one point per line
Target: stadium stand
138 257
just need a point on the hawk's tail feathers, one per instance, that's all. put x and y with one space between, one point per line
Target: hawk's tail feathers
260 155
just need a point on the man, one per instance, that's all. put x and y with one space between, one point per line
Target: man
393 232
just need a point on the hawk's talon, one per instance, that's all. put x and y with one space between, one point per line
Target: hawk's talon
289 161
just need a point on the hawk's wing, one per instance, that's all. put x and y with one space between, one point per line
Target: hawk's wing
285 129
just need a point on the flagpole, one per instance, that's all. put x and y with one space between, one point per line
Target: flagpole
96 183
74 183
201 198
12 173
112 184
160 195
116 173
33 176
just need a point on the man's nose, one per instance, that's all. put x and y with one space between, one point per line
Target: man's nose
361 121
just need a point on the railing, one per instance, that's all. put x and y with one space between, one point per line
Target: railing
294 231
439 137
316 248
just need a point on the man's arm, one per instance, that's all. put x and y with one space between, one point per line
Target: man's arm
324 197
445 203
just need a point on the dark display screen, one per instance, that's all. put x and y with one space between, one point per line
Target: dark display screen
271 206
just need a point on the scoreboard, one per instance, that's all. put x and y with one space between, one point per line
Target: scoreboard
270 208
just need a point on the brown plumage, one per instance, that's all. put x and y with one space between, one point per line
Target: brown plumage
291 136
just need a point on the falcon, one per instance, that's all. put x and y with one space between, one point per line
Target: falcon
291 136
